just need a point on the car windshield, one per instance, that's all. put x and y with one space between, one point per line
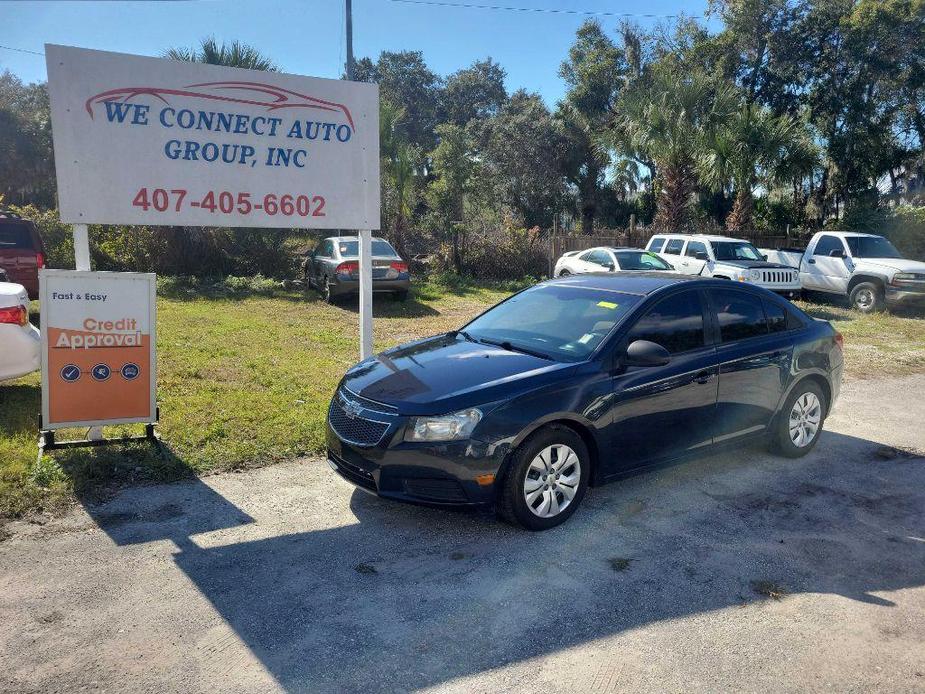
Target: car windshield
352 248
735 250
640 260
871 247
558 322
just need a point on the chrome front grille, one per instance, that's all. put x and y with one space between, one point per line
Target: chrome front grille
778 277
348 419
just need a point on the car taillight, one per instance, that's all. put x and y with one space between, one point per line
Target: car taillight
15 315
400 266
839 340
351 267
40 260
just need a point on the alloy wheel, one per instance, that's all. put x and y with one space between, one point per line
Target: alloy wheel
552 480
865 299
805 418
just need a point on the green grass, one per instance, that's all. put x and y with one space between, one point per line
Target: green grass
244 380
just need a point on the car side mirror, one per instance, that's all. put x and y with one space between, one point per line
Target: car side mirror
836 253
764 257
646 353
610 267
700 255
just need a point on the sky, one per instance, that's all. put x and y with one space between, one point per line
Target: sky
307 36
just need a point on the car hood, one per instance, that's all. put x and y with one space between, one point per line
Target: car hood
444 374
895 264
755 264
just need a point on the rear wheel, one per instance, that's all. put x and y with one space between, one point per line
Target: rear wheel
547 479
325 290
564 273
867 297
799 422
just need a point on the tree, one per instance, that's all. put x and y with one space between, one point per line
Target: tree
453 167
756 147
521 150
672 119
594 73
474 92
405 80
235 54
400 161
27 170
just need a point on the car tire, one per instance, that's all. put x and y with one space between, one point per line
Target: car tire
325 290
564 273
804 408
867 297
529 491
401 296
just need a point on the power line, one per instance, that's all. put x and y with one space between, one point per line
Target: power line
22 50
546 10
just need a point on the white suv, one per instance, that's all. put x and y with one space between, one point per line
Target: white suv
724 258
20 342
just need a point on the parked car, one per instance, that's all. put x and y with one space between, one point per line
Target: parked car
22 253
580 380
20 342
724 258
333 268
608 259
866 268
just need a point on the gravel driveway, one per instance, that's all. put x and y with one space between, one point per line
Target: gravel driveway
738 572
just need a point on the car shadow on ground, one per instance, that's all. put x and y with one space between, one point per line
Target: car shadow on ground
407 597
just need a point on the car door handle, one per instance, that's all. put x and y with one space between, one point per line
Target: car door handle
704 377
811 261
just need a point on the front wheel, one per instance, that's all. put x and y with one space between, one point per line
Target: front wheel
799 422
547 479
867 297
327 295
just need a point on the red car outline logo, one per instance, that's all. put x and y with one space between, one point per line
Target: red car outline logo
279 98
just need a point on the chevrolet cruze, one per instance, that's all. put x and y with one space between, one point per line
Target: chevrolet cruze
579 381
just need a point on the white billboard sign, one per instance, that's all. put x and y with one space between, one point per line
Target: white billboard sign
162 142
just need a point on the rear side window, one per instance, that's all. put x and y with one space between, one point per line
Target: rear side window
601 258
15 236
675 323
740 315
655 244
674 246
777 317
694 247
826 244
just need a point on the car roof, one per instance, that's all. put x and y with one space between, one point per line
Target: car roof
350 238
700 237
641 283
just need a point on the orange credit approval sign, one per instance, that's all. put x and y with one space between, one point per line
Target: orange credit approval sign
98 348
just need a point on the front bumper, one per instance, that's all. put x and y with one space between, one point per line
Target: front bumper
450 473
788 293
905 296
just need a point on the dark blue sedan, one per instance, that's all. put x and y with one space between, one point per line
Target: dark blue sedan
579 381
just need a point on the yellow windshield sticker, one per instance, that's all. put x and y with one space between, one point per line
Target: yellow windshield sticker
607 304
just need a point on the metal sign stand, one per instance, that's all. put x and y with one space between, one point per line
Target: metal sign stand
95 436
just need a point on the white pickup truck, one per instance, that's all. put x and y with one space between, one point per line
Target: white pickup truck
724 258
863 267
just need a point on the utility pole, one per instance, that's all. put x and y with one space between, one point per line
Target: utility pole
365 235
351 73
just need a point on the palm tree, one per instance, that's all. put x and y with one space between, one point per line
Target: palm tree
399 160
235 54
756 147
671 120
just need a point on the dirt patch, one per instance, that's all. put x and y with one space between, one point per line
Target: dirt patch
769 589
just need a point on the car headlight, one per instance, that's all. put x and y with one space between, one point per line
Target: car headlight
754 275
448 427
906 277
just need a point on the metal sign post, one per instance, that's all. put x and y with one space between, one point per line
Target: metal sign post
366 294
